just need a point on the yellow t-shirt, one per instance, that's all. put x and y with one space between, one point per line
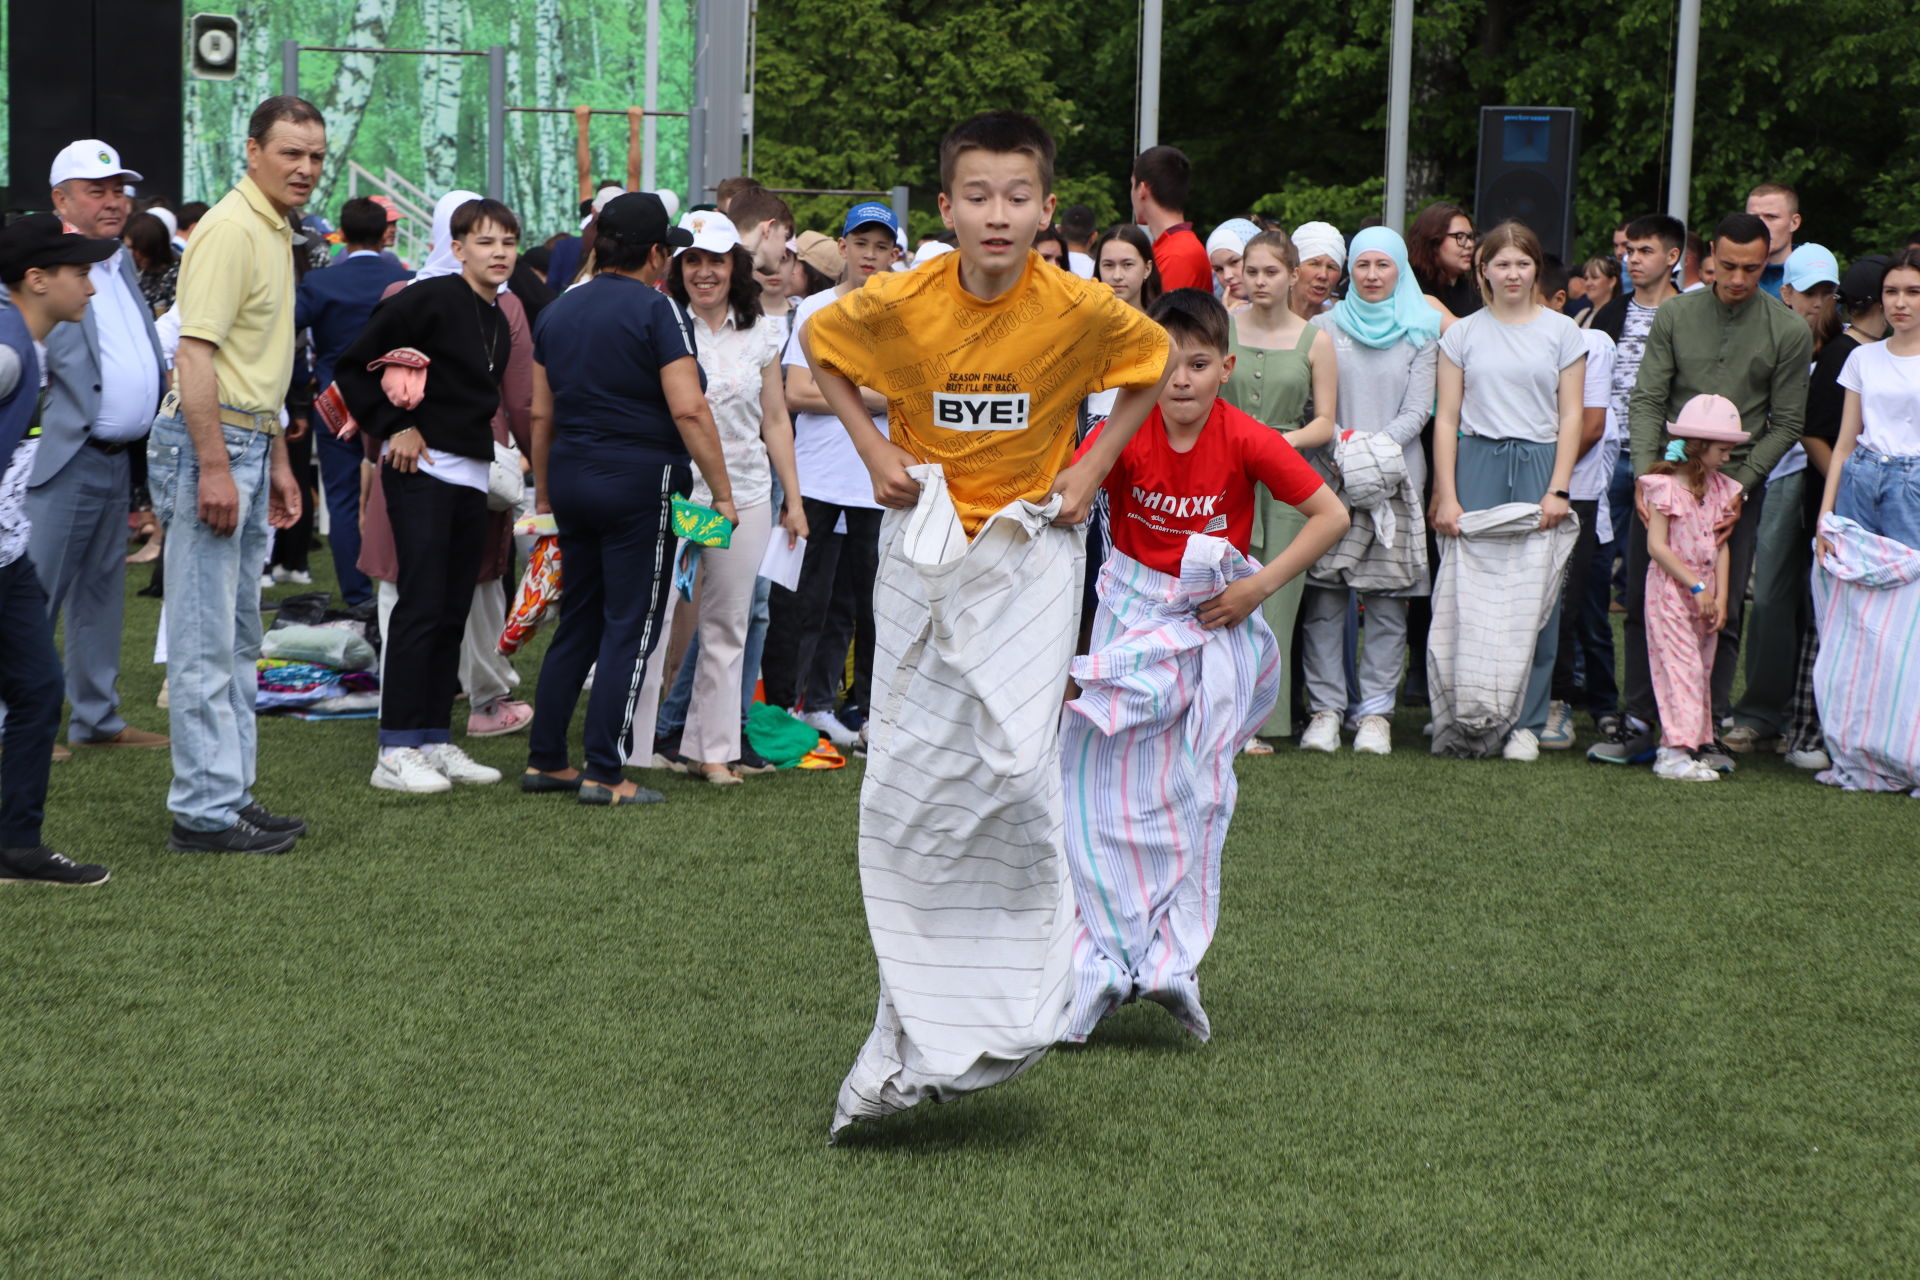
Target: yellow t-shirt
989 390
236 291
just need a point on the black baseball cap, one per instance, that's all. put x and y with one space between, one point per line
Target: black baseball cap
42 240
640 217
1860 287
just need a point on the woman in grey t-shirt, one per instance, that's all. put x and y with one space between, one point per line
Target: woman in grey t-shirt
1507 423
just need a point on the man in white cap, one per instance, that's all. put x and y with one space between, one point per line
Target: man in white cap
105 377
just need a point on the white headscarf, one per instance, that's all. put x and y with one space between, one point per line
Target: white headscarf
1232 234
1312 239
440 260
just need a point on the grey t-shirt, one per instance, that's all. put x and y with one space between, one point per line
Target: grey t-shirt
1626 355
1389 390
1513 373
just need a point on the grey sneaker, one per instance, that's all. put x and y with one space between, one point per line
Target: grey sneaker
1625 745
1715 756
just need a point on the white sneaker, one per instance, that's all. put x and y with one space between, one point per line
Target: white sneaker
1558 735
266 581
455 765
1375 737
1323 732
1814 759
409 770
1679 766
1522 746
830 728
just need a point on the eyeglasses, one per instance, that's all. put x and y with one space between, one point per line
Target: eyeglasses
1465 239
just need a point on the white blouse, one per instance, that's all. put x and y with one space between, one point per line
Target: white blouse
733 358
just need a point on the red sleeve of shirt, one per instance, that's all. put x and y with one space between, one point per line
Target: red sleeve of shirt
1275 463
1182 260
1087 444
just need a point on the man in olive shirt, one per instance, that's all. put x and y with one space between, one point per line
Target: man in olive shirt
1735 341
218 468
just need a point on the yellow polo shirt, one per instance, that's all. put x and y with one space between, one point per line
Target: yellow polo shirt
236 292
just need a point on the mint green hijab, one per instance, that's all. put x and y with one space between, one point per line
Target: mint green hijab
1402 314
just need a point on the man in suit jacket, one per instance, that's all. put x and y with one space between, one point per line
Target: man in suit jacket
335 303
105 378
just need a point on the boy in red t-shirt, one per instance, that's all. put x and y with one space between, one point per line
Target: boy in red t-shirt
1183 670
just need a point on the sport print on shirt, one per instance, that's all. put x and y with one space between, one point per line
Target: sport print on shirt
990 391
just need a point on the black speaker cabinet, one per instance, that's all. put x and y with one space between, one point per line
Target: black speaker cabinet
107 69
1528 156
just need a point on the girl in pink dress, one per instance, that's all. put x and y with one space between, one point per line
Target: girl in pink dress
1684 499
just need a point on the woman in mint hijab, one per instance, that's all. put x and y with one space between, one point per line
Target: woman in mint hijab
1386 338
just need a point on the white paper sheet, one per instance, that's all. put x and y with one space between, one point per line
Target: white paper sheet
781 564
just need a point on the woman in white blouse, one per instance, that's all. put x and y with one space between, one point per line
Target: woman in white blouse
739 352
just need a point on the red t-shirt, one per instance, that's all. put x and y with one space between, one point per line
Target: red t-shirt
1182 259
1157 497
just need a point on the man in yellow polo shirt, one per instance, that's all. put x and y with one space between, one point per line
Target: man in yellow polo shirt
218 469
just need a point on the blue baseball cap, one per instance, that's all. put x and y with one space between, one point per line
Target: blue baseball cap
862 214
1809 265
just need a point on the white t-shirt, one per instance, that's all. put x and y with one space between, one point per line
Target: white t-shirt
1512 373
823 453
1080 264
1889 389
1594 471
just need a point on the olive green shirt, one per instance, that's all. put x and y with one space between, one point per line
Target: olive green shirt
1756 354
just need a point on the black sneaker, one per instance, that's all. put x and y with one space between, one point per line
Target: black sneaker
241 837
273 823
752 761
853 715
1716 755
41 865
1625 745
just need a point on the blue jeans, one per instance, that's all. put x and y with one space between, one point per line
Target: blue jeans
213 622
673 711
1882 495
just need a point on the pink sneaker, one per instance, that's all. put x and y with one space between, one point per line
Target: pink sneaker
499 718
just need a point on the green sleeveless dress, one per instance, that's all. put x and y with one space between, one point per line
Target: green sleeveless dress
1273 386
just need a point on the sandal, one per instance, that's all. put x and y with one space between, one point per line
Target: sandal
1255 747
534 782
717 775
599 794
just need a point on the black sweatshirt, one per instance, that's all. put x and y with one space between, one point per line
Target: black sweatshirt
446 321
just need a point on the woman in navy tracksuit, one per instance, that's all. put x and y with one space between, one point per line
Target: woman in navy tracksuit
619 409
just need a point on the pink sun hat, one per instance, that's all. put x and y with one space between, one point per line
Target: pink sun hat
1709 418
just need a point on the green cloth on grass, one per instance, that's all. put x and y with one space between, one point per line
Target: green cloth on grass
778 736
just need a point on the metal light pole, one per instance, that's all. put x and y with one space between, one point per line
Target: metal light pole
650 129
497 122
1686 60
1149 124
1399 102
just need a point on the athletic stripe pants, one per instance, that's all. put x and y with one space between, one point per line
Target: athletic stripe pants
616 567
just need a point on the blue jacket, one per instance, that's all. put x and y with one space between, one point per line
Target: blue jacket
335 302
73 381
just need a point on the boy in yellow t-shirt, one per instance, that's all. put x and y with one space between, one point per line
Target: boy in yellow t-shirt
984 356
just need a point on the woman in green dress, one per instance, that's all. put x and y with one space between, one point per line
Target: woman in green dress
1281 364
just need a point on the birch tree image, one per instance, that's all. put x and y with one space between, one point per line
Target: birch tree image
553 166
347 98
442 24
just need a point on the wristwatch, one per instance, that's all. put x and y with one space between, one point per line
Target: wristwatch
1562 494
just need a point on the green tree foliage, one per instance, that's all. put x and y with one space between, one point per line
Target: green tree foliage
1282 103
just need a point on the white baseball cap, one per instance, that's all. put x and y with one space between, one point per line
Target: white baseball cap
88 158
712 232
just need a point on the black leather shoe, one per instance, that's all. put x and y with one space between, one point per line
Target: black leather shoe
241 837
273 823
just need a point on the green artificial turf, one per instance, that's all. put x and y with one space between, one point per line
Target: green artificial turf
1471 1019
